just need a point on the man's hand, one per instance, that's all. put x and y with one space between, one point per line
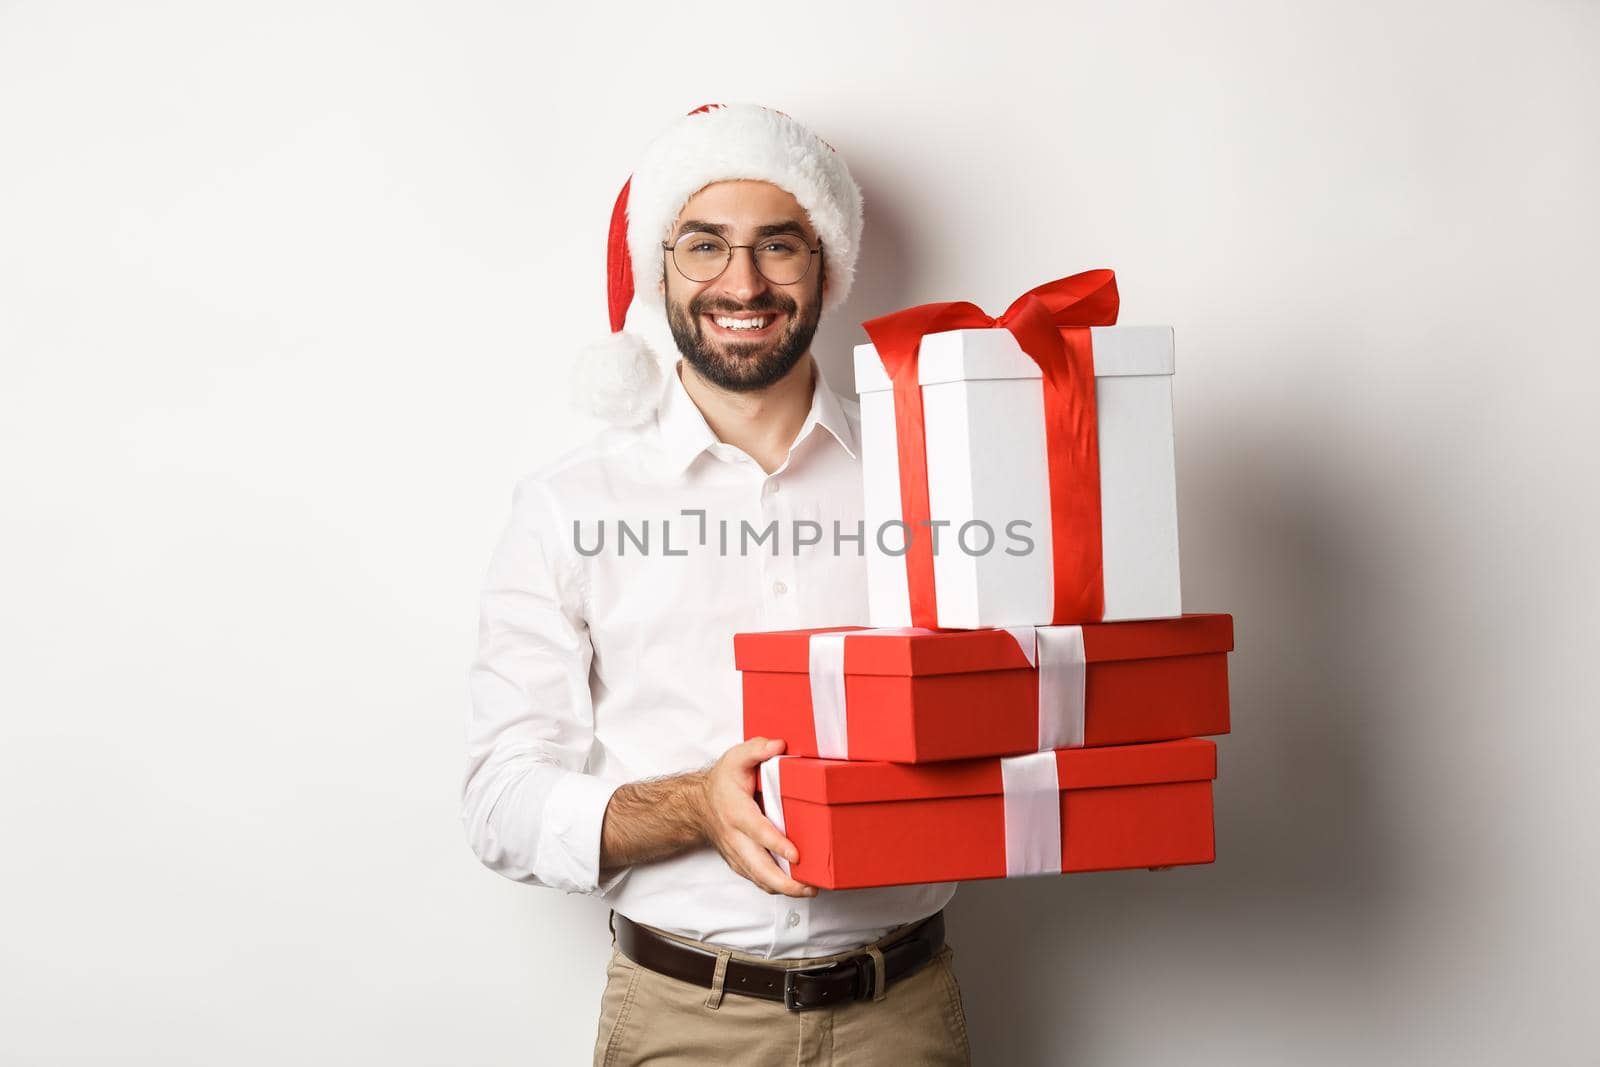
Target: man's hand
738 829
662 817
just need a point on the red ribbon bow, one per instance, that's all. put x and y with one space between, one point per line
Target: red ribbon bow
1051 324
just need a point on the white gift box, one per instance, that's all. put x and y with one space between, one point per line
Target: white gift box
983 412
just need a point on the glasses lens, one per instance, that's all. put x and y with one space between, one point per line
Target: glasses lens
700 256
782 260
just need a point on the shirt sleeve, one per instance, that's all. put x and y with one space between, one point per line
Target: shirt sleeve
531 812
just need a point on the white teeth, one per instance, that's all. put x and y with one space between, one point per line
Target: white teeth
740 324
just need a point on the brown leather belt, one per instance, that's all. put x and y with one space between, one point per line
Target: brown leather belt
799 989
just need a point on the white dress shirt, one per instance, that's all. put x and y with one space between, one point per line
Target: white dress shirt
595 669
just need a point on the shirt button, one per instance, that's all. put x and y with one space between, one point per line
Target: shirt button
793 919
778 588
771 488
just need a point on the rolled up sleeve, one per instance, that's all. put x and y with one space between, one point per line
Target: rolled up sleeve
530 810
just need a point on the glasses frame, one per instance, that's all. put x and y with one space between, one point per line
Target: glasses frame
671 250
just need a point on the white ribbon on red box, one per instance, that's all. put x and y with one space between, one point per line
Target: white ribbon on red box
827 695
1032 795
1056 652
772 802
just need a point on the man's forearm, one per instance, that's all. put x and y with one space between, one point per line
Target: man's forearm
653 819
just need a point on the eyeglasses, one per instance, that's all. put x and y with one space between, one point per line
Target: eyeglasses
781 259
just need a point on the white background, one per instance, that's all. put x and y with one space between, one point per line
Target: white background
288 298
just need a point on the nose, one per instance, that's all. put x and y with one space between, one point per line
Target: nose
741 280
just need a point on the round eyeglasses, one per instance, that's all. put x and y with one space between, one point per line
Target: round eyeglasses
781 259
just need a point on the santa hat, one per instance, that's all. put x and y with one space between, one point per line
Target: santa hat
621 378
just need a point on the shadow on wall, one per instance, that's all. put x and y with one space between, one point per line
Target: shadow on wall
1303 842
1310 880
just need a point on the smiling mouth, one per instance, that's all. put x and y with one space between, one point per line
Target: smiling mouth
743 327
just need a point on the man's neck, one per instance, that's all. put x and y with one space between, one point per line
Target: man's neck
763 424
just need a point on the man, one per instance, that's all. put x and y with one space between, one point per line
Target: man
605 752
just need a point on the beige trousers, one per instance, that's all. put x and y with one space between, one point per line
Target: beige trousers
648 1018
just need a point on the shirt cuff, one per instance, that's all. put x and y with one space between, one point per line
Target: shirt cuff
569 838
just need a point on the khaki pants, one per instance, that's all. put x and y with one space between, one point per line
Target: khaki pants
647 1017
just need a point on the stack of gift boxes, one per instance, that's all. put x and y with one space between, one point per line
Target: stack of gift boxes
1030 697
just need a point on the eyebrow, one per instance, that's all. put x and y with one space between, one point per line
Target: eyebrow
701 226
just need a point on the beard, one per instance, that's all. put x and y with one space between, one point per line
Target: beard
748 366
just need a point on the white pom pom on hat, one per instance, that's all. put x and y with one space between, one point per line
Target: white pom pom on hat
621 379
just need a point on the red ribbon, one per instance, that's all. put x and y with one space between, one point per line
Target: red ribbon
1051 324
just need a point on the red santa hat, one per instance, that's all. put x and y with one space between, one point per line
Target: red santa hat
621 378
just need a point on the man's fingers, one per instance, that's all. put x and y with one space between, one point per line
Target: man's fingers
760 829
755 865
748 754
764 871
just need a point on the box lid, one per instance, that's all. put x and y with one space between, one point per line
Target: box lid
972 355
962 651
826 781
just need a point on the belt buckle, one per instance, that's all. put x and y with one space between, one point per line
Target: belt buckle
852 964
789 976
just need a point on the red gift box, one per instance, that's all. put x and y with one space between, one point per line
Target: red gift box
858 824
919 697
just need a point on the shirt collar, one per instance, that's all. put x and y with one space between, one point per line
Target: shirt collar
685 433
